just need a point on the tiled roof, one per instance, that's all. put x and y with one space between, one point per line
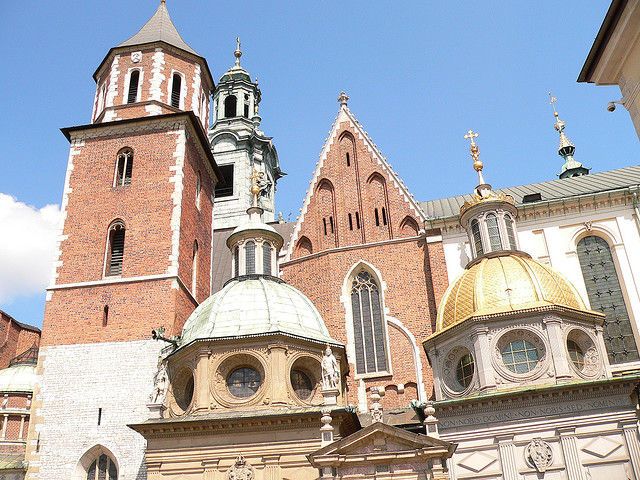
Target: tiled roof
159 28
549 191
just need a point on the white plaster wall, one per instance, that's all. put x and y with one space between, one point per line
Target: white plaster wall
79 379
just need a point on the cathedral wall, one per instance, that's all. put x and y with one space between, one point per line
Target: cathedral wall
77 380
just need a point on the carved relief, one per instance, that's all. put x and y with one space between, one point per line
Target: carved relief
241 470
539 455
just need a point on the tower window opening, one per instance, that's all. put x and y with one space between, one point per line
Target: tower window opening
266 258
230 104
134 80
477 239
176 86
384 216
194 269
250 257
115 249
124 168
99 416
375 211
357 220
511 236
331 223
105 315
224 187
246 106
324 224
348 160
236 261
494 232
350 222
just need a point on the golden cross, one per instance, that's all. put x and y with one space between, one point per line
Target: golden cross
471 135
553 100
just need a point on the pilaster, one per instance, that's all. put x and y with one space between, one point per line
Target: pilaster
482 354
272 470
630 431
202 381
211 471
278 367
508 457
558 349
572 462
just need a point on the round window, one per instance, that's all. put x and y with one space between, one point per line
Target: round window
184 394
575 354
244 382
520 356
464 370
302 384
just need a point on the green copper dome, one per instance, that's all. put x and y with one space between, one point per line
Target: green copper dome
256 306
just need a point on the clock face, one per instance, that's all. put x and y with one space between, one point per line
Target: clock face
136 57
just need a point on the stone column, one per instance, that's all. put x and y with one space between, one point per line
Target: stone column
558 347
630 430
482 354
202 382
570 451
508 457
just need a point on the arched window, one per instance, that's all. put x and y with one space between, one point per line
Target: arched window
477 239
134 80
115 249
198 189
102 468
266 258
124 168
236 261
368 325
605 295
511 235
230 106
176 86
250 257
377 215
194 269
494 232
245 109
384 216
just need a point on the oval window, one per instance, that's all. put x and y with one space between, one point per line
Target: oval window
302 384
464 370
520 356
575 354
244 382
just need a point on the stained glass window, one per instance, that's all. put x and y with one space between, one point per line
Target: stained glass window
102 468
464 370
302 384
576 355
250 257
368 325
508 223
244 382
266 258
494 232
520 356
605 295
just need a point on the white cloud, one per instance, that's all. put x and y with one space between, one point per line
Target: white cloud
27 247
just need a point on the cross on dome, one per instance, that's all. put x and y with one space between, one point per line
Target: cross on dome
238 52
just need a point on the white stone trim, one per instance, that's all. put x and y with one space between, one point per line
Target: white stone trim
157 77
178 180
345 114
422 394
112 91
196 95
112 280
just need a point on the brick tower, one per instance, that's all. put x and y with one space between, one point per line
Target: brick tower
134 253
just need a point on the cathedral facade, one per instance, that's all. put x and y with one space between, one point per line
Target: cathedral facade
191 334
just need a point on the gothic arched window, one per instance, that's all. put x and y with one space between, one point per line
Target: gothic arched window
250 257
266 258
124 168
134 80
494 232
176 87
115 249
230 104
368 325
605 295
511 235
102 468
477 239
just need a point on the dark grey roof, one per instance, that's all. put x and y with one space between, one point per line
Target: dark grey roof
221 270
549 191
159 28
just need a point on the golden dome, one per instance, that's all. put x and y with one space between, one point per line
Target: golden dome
504 283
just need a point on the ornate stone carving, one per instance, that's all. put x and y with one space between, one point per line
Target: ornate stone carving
136 57
160 385
539 454
241 470
330 370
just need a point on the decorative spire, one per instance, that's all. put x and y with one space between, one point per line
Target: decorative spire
475 154
343 98
238 52
571 167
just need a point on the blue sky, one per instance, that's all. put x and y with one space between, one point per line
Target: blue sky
419 76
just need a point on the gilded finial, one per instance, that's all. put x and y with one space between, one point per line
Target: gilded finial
475 154
255 189
238 52
559 125
343 98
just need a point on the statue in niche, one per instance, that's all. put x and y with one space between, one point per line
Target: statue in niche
241 470
330 370
160 385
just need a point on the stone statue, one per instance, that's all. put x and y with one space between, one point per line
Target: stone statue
241 470
160 385
330 370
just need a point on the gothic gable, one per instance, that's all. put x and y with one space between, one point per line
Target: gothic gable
354 196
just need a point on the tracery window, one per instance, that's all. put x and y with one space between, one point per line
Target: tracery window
266 258
368 325
511 236
124 168
250 257
605 295
102 468
115 249
134 80
477 239
494 232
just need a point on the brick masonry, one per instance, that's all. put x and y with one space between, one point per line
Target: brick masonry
15 338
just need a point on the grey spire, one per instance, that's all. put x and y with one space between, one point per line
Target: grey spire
159 28
571 167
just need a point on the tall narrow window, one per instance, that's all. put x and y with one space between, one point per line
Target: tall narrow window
250 257
176 87
605 295
246 106
124 168
115 249
230 104
105 315
511 235
348 160
266 258
198 189
236 261
357 220
368 325
331 224
324 224
494 232
384 216
102 468
194 269
375 212
477 239
134 80
350 222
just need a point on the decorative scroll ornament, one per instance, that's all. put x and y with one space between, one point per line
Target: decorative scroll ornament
539 454
241 470
330 370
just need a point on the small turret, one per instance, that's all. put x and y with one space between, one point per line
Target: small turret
571 167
